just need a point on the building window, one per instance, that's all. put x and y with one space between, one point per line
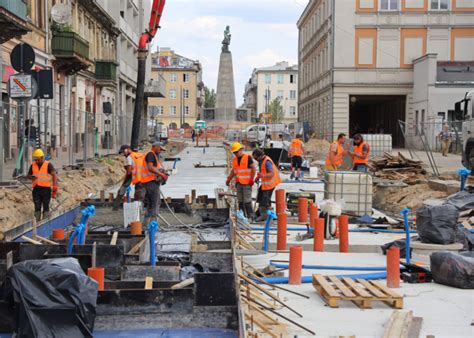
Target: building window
173 78
292 79
159 110
439 5
185 77
280 78
173 110
389 5
292 110
186 110
280 94
185 94
268 78
172 94
292 94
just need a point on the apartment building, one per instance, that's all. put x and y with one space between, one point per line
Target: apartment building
184 90
358 61
279 81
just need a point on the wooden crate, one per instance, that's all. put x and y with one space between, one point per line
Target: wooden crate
361 292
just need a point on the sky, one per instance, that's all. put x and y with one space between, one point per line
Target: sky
263 33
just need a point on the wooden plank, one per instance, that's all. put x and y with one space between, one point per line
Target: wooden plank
385 289
148 283
321 280
398 325
102 196
415 327
113 241
183 284
111 197
261 325
136 247
94 254
345 291
34 228
373 290
356 288
29 240
46 240
9 259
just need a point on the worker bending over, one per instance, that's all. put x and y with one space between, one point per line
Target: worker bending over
45 184
270 179
134 168
153 176
361 153
243 170
296 152
335 158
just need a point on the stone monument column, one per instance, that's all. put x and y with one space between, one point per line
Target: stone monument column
225 109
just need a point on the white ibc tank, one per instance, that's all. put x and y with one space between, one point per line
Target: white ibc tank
355 188
379 143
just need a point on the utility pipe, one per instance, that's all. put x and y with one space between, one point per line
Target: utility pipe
309 279
405 213
333 267
270 217
152 229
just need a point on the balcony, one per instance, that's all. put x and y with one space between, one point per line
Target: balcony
13 16
106 72
156 88
71 52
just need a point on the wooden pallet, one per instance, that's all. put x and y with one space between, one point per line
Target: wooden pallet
360 291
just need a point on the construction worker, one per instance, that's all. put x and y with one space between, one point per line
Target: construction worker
361 153
152 177
134 168
45 184
243 170
270 178
296 152
335 158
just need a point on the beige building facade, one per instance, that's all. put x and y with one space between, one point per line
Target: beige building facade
356 60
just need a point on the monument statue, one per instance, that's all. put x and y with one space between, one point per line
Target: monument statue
226 41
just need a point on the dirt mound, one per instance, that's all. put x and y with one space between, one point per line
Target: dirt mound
317 148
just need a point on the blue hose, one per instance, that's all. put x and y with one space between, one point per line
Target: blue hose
129 191
405 213
270 217
463 173
79 233
354 230
309 279
152 229
332 267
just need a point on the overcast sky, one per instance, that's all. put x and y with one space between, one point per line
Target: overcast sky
263 32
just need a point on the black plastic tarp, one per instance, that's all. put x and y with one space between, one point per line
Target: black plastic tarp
453 269
49 298
437 224
463 200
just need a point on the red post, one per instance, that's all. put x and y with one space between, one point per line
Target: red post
98 275
318 238
296 259
344 233
302 210
59 234
281 231
280 201
393 267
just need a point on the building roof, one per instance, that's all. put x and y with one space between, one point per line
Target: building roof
278 67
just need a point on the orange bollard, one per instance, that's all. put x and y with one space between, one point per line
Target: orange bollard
318 238
296 265
97 274
344 233
302 210
136 228
281 231
58 234
280 208
280 201
393 267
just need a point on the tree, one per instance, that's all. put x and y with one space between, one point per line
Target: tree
209 98
276 110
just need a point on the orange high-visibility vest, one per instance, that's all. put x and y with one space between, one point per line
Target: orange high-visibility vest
137 167
296 148
147 175
43 179
338 159
242 172
272 182
359 151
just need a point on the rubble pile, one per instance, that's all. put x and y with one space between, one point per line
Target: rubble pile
398 168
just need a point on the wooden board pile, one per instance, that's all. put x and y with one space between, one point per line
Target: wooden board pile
398 168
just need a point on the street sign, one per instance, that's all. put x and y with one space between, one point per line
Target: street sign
22 86
22 57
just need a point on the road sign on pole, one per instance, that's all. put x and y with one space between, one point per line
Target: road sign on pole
22 86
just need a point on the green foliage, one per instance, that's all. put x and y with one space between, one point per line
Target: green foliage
209 98
276 110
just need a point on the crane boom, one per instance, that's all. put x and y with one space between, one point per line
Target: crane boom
145 38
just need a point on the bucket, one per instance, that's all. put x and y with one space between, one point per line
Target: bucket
136 228
58 234
97 274
313 172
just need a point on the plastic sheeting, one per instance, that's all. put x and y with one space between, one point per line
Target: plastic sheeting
50 298
400 243
437 224
453 269
463 200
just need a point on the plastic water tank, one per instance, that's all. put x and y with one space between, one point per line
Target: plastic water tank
379 143
355 188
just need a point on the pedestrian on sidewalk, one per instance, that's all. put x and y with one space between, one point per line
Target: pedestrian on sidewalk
45 184
153 176
243 170
296 152
335 157
361 153
270 178
134 169
446 137
193 134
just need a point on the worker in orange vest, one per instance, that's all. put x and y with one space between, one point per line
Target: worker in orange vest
153 176
296 152
243 170
361 153
270 179
335 158
134 168
45 184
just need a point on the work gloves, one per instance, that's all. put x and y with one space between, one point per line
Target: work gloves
55 192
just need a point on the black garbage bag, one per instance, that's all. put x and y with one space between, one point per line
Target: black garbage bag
465 237
453 269
50 298
463 200
437 224
400 243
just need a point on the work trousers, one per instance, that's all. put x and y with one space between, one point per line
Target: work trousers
244 193
446 145
140 192
152 198
265 198
41 198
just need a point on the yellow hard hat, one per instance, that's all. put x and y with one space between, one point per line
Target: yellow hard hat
235 147
38 153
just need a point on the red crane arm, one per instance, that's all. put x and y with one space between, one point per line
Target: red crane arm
149 34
